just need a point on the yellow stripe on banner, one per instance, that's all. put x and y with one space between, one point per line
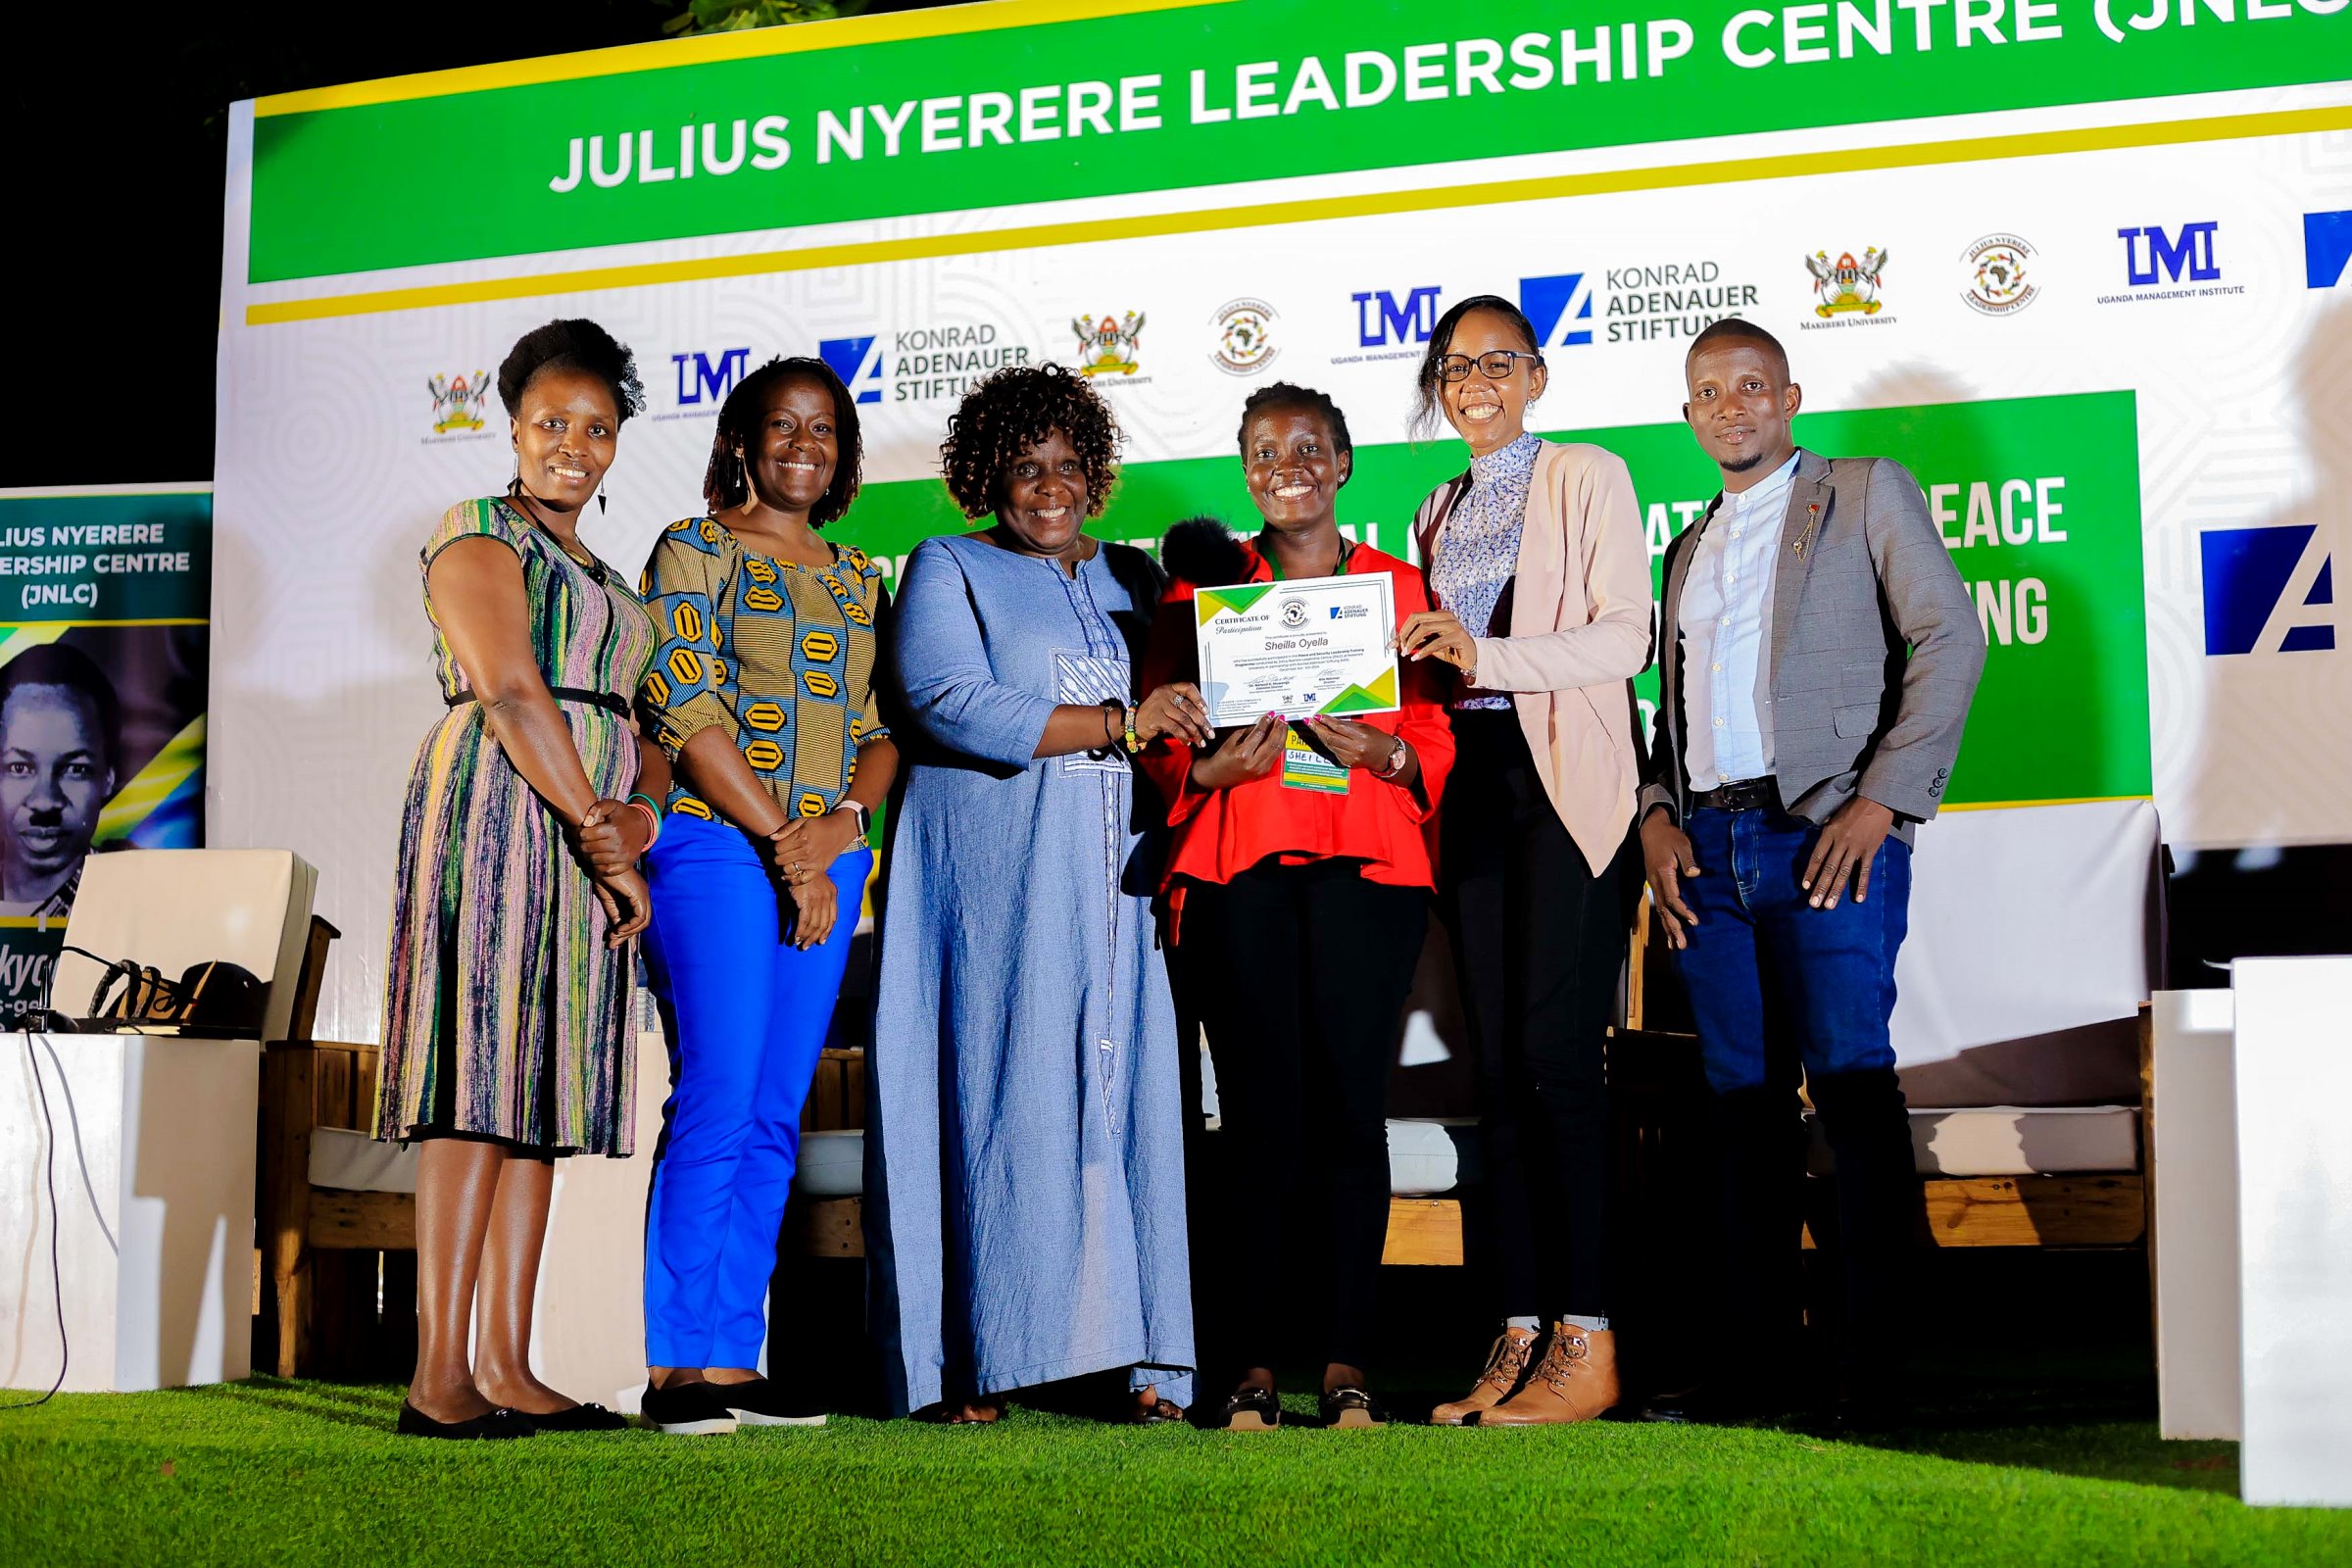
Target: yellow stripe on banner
22 639
59 627
1845 160
181 757
2078 799
711 48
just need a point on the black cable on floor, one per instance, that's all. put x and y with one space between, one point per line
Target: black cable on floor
57 1280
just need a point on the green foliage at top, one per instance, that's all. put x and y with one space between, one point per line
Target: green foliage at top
735 16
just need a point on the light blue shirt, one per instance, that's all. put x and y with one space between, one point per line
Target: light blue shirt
1727 635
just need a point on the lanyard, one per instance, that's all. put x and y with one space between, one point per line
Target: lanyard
1340 569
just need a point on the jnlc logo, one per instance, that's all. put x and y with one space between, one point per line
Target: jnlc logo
1560 308
857 361
2152 257
2327 248
2268 590
1382 319
702 382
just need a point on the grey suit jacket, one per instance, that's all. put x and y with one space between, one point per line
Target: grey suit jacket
1875 649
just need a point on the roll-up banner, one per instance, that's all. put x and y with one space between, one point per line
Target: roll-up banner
2079 264
104 656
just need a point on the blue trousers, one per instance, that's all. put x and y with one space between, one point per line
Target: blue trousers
746 1017
1779 991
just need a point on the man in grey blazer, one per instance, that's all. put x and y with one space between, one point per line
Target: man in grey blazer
1816 654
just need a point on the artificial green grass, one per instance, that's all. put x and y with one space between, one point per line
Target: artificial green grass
270 1472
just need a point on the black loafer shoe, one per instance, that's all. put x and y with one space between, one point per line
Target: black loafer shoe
1350 1407
762 1403
498 1424
687 1409
582 1418
1250 1410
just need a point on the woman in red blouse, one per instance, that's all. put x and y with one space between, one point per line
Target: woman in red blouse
1299 884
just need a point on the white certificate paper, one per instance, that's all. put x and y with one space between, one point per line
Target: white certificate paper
1310 645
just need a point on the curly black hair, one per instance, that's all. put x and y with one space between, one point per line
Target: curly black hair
1290 396
577 344
1440 344
1010 412
739 421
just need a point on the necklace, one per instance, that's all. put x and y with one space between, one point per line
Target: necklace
522 506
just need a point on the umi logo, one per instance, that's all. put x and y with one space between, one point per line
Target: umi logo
2151 256
1382 319
857 361
1560 308
702 382
2327 248
2268 590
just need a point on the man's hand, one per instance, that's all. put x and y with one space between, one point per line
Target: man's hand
1848 842
1666 859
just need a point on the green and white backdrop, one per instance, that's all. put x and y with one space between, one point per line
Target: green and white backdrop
2085 275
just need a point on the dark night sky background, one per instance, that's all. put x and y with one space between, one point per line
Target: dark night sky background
118 141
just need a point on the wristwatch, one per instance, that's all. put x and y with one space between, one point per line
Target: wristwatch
858 814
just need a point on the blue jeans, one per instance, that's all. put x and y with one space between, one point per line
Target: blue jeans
746 1017
1784 993
1775 982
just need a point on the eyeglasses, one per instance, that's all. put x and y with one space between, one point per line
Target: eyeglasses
1494 366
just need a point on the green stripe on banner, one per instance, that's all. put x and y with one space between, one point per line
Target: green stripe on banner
2038 498
890 125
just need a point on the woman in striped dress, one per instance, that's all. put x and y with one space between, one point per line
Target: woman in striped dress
506 1014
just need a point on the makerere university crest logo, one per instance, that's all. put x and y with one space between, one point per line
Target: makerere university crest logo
1847 284
1109 347
458 402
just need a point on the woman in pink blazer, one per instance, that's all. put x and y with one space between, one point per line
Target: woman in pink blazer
1537 561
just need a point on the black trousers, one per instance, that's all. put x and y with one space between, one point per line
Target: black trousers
1298 974
1538 944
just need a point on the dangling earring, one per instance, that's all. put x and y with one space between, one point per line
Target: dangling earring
604 501
743 471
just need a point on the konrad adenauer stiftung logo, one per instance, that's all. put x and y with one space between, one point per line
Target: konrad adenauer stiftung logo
1999 275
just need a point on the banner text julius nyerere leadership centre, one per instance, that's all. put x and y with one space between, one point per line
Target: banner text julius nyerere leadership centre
1362 78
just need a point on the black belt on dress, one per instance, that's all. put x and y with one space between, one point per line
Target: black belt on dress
1740 794
608 700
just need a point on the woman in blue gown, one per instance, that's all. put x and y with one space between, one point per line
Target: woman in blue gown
1025 1214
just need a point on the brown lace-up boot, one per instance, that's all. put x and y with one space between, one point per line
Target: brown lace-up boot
1576 1381
1506 1366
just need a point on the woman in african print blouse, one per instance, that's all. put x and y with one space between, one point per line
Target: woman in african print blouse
762 695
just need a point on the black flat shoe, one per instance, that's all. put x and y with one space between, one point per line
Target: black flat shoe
1250 1410
762 1403
687 1409
1350 1407
498 1424
582 1418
